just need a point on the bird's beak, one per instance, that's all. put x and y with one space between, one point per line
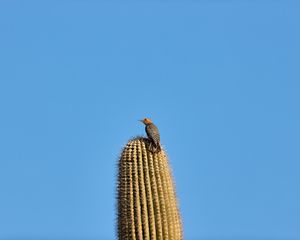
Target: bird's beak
141 121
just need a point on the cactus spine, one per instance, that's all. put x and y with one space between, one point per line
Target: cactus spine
147 206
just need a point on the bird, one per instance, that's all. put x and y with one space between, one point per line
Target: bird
153 135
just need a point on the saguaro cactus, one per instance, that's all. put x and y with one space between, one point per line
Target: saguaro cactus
147 206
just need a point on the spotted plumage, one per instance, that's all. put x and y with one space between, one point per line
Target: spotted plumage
153 135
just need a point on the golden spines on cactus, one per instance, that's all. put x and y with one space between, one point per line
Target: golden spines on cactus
147 205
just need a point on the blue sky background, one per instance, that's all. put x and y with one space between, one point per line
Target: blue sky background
221 79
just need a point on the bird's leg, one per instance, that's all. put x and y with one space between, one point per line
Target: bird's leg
157 147
152 147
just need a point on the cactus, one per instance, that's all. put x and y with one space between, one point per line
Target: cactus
147 206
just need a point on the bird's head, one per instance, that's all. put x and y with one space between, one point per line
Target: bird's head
146 121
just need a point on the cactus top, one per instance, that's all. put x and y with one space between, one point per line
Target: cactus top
147 203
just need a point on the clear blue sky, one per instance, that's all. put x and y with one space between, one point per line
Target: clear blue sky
221 79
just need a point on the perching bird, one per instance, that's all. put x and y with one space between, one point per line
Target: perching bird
153 135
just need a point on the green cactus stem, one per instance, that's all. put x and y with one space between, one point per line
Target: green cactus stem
147 205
